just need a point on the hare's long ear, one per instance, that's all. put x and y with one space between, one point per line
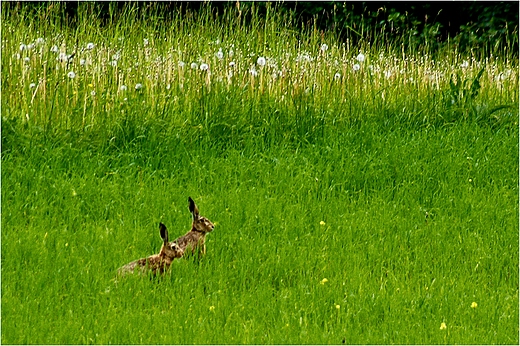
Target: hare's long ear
193 209
164 232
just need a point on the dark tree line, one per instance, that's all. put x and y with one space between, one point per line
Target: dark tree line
471 24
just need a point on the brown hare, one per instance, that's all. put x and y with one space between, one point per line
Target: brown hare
156 263
195 239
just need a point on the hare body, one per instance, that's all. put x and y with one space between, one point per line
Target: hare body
195 239
155 263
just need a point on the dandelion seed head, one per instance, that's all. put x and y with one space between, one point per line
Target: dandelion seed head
360 57
181 64
82 62
261 61
356 67
90 46
324 47
204 67
32 85
123 87
54 49
219 54
232 64
23 47
337 76
71 75
138 86
194 66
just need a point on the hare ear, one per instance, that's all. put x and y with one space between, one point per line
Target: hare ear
193 208
164 232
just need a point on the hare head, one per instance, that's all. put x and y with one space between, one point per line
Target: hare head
200 223
169 250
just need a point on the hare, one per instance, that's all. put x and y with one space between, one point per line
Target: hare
196 237
156 263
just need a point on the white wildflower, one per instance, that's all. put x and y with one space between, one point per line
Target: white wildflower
90 46
194 66
204 67
260 61
138 86
360 57
71 75
324 47
54 49
123 87
356 67
23 47
219 54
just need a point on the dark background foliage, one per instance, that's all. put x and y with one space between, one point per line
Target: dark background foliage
478 25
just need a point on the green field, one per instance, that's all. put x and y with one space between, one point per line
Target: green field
361 194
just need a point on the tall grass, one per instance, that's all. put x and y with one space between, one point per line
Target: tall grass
365 198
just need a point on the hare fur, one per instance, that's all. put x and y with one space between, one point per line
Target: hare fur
195 239
158 263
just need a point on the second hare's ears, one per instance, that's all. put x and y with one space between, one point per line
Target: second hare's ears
193 207
164 232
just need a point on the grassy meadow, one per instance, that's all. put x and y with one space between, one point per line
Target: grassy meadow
361 193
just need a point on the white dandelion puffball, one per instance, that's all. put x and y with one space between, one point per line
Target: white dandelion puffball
360 57
194 66
260 61
71 75
324 47
219 54
138 86
356 67
123 87
204 67
90 46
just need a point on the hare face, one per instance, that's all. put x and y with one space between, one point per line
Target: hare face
171 250
202 224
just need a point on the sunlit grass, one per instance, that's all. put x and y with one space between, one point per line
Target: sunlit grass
360 195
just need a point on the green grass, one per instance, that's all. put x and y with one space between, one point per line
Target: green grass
400 189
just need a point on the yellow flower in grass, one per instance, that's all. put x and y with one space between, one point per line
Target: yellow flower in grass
474 305
443 326
324 281
211 308
322 223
